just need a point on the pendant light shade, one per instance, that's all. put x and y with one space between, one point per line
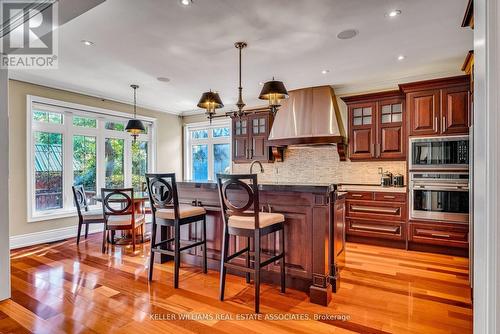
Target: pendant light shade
273 91
134 126
210 101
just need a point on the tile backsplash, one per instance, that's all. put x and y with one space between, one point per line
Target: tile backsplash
321 164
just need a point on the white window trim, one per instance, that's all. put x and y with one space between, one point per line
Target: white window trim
188 142
102 115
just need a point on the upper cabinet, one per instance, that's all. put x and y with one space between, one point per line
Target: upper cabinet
376 126
438 107
250 135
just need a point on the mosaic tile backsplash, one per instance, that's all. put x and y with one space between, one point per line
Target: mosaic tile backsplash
321 164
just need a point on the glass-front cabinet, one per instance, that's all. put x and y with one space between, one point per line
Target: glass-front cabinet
250 135
376 128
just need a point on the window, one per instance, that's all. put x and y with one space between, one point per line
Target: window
85 165
139 164
207 150
70 144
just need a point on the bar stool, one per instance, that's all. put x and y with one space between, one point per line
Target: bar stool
167 211
246 221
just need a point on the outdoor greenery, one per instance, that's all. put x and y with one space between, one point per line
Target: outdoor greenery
84 122
139 163
84 162
48 117
114 153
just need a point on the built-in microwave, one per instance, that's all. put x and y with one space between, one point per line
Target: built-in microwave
442 196
439 153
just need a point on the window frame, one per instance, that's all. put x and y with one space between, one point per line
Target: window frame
210 141
68 130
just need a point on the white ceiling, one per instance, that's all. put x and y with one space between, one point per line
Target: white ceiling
293 40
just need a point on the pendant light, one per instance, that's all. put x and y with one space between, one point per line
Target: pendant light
274 91
240 104
210 101
135 126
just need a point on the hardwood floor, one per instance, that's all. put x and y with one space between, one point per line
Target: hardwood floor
62 288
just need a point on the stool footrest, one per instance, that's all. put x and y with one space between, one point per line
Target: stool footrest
199 243
238 253
272 259
163 242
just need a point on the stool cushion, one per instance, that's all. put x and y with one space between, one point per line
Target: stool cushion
125 220
265 219
185 211
92 214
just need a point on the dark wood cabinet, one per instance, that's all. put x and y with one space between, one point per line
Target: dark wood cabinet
376 217
376 126
438 107
250 135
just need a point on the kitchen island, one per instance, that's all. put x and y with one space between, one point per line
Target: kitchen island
314 233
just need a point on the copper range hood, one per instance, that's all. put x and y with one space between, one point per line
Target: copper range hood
310 116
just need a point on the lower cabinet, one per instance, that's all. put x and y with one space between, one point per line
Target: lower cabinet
380 218
377 229
376 216
441 234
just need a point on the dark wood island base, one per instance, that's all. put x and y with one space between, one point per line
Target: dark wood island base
314 234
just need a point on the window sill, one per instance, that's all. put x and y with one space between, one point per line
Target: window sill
59 214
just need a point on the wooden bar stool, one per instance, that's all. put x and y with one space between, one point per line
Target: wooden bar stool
246 221
167 211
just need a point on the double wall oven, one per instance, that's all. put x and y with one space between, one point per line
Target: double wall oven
439 178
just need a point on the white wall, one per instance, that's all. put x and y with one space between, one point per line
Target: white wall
486 166
4 174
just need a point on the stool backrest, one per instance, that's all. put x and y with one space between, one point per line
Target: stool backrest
162 191
232 206
123 197
80 199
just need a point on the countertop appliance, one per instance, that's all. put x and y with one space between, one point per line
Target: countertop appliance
398 180
442 196
439 153
386 179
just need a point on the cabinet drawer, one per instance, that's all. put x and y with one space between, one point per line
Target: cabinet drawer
444 235
378 229
376 210
361 195
390 197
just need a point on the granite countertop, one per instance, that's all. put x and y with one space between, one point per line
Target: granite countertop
271 186
371 187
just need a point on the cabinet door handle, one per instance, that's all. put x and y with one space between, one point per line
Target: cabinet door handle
436 124
443 123
356 195
439 235
373 150
392 211
389 197
379 149
251 153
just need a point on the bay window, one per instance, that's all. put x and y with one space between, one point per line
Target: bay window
71 144
207 150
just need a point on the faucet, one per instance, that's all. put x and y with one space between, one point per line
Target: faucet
256 162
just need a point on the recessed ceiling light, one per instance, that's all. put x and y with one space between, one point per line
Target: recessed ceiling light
401 57
325 71
261 83
163 79
186 2
394 13
347 34
87 43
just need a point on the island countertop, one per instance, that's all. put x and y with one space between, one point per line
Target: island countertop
319 188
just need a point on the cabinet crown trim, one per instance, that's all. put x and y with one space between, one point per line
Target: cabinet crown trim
435 84
372 96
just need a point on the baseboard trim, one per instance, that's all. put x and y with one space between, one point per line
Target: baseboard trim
30 239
